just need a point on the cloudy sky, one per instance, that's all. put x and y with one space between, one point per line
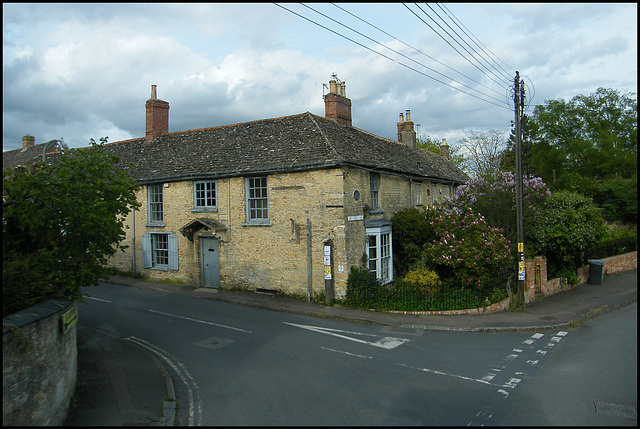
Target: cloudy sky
82 71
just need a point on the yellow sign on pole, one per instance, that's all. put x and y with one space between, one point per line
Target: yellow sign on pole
69 319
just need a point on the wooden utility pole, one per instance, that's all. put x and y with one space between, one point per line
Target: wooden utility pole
519 103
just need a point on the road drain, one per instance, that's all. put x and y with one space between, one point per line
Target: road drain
617 410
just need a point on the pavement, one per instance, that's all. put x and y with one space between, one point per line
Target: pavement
120 383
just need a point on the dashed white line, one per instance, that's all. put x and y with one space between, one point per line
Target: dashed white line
200 321
97 299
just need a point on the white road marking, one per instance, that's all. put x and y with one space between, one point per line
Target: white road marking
195 404
385 343
512 383
347 353
97 299
504 392
200 321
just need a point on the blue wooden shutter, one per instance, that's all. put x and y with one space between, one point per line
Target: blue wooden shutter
146 251
173 252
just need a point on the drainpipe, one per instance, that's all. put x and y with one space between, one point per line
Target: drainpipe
133 241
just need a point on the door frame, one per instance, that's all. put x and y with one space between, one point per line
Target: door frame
203 239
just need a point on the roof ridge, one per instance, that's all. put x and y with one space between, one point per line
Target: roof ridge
326 139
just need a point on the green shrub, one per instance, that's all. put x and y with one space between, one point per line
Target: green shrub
569 225
411 230
363 289
424 281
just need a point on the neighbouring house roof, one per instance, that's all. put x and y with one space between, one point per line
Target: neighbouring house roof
292 143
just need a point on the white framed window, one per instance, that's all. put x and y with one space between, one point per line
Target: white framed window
380 252
205 195
374 188
257 199
156 204
160 251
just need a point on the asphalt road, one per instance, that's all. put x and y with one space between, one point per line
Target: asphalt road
236 365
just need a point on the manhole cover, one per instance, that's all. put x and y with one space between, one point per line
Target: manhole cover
617 410
547 318
213 343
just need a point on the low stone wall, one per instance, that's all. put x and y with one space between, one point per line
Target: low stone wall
536 283
39 365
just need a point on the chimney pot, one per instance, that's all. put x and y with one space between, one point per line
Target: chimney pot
406 134
157 114
336 105
27 141
444 149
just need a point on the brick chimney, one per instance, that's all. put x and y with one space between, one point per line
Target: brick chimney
444 149
336 104
157 116
28 141
406 134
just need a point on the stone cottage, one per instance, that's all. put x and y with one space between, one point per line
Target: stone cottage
286 204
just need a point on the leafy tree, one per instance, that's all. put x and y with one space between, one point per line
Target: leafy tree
582 142
458 159
61 221
569 224
618 199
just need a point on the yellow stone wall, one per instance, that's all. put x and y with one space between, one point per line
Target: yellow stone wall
274 256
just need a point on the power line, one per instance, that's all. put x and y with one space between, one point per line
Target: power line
446 41
396 52
507 78
463 28
389 58
416 49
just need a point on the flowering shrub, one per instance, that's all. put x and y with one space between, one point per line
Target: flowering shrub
474 251
424 281
496 201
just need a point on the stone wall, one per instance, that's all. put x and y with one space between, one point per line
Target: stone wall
274 256
39 365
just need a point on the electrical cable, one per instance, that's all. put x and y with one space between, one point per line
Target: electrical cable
415 49
507 78
396 52
478 40
385 56
447 42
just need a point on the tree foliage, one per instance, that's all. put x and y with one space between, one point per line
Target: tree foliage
455 156
570 224
495 200
411 230
62 220
579 144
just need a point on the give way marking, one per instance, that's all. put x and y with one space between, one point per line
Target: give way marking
385 343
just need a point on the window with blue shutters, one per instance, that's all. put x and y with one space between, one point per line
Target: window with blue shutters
160 251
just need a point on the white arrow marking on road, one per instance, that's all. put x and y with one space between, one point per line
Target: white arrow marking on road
385 343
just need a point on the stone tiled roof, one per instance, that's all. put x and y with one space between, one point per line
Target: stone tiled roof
291 143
